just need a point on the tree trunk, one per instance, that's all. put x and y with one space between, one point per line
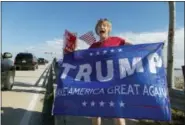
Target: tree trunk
170 56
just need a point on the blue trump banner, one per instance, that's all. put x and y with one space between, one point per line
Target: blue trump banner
114 82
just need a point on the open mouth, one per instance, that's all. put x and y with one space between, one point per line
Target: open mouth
102 31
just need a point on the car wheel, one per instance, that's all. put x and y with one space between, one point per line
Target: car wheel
9 81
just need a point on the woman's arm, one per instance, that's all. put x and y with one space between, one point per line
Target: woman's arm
128 43
124 42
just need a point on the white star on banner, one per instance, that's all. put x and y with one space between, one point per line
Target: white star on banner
112 50
105 51
84 103
111 104
119 50
102 104
92 103
122 104
97 53
91 54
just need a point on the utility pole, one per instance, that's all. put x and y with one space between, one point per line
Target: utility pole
170 55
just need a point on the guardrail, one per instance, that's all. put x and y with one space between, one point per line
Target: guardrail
177 98
47 118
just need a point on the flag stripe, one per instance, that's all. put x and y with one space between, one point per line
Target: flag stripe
88 37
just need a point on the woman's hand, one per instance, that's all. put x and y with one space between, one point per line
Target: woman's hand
127 43
71 49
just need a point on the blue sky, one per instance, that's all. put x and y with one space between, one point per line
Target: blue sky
26 24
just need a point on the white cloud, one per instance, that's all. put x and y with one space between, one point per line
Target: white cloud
51 46
147 37
56 44
81 45
30 48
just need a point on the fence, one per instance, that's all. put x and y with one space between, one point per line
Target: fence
47 118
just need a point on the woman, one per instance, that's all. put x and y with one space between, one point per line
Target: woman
103 29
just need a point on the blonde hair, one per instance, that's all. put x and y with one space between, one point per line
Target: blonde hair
103 21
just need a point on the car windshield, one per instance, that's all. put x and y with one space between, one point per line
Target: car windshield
24 56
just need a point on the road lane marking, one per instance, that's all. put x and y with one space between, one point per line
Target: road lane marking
26 118
34 99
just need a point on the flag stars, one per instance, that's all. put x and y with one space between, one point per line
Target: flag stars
91 54
92 103
97 53
122 104
112 50
102 104
119 50
105 51
111 104
84 103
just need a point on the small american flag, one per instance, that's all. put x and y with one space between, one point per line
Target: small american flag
88 38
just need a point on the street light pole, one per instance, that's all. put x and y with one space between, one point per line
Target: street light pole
50 53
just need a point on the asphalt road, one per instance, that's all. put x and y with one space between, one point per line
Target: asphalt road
23 104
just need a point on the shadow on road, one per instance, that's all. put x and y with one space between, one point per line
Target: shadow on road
12 116
26 77
42 76
24 69
21 84
27 88
29 91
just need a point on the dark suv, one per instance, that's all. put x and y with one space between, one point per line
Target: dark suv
7 71
41 61
26 61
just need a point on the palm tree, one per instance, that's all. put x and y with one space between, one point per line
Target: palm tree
171 34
